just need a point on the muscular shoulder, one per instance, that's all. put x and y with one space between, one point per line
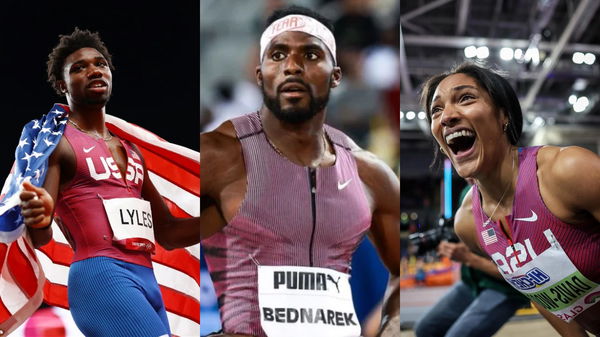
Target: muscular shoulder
61 165
63 155
221 154
381 181
371 169
567 164
569 175
216 143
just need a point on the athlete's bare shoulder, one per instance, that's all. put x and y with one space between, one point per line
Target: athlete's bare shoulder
63 149
370 167
379 178
569 180
222 159
568 163
221 135
64 157
219 142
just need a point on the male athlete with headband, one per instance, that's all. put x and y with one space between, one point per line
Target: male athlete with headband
294 197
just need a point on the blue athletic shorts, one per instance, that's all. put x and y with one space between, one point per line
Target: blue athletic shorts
110 297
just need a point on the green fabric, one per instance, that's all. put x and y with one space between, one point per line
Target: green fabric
478 280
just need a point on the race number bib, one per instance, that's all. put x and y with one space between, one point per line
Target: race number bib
131 223
553 281
306 301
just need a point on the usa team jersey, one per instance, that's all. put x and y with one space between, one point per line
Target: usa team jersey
80 206
553 263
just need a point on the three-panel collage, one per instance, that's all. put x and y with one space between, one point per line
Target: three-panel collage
300 168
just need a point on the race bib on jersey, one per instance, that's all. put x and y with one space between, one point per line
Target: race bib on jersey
131 223
553 281
306 301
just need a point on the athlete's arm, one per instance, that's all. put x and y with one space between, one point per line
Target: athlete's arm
38 203
570 183
460 252
464 225
383 189
569 180
223 178
37 207
472 255
484 264
170 232
210 217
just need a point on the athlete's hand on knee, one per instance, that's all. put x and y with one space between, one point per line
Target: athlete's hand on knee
36 206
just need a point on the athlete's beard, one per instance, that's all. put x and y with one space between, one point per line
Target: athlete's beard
295 115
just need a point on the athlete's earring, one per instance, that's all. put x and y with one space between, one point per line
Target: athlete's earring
505 127
443 152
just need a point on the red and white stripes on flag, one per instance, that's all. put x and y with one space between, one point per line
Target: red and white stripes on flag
21 281
175 171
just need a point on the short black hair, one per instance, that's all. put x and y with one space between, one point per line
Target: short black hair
298 10
69 44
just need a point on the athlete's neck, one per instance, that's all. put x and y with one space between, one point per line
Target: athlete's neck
302 143
498 187
89 117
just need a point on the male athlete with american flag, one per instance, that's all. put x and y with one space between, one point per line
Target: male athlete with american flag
102 180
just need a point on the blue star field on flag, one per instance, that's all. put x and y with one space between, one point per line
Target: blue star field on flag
38 139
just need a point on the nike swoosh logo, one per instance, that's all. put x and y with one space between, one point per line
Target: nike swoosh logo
532 218
88 149
343 185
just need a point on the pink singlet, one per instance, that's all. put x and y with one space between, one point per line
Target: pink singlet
553 263
291 216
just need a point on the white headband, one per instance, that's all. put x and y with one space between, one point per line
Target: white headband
298 23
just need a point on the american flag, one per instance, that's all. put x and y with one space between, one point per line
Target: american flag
26 277
489 236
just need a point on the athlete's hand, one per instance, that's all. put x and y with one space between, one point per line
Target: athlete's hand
455 251
36 206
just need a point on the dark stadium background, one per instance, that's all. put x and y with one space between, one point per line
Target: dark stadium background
155 48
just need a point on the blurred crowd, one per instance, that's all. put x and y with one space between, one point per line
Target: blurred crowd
367 103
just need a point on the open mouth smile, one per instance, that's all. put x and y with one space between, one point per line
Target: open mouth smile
461 141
